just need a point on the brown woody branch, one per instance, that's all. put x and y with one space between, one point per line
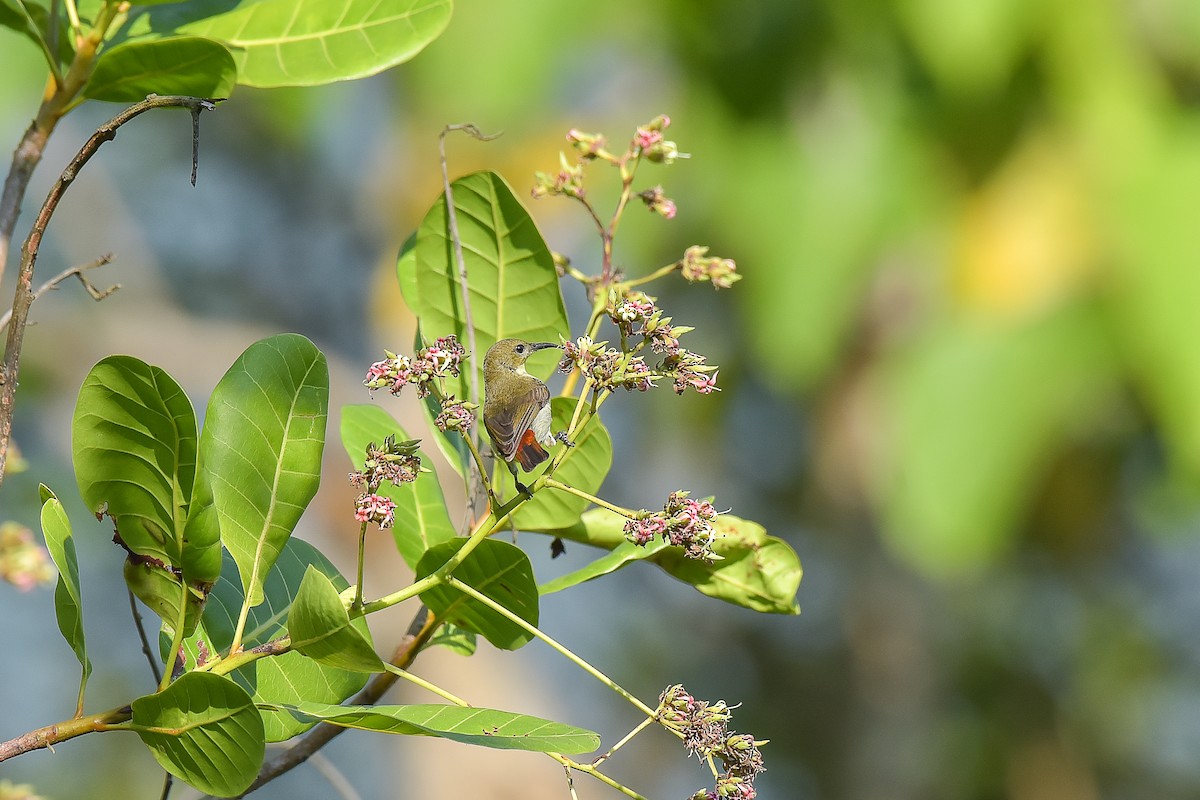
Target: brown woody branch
24 295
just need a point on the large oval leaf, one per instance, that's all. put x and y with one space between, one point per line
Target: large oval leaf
308 42
421 519
584 467
260 450
205 730
497 569
481 726
134 447
513 283
185 65
286 678
68 602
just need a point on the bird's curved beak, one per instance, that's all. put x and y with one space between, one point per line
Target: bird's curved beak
543 345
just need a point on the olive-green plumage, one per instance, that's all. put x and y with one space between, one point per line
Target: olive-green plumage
516 406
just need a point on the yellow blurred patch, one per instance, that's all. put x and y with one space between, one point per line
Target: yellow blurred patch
1026 240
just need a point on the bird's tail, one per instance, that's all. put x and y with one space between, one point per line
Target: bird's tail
529 452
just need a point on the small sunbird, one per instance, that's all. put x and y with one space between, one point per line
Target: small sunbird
516 406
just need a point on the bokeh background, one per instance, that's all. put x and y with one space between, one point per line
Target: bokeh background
961 377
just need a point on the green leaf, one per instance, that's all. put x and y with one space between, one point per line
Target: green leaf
134 448
406 273
454 639
421 517
260 450
31 20
757 571
68 602
308 42
486 727
514 288
497 569
204 730
184 65
620 556
584 467
286 678
320 628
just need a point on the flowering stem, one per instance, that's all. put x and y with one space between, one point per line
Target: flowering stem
661 272
599 304
450 580
641 726
624 512
592 213
362 543
627 173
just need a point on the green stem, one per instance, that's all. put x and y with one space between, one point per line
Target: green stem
362 544
424 684
176 639
599 304
486 527
73 17
661 272
588 769
641 726
562 487
450 580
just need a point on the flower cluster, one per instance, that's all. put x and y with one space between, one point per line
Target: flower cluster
606 367
457 415
568 181
689 370
697 265
441 359
588 145
630 312
648 143
705 729
634 313
375 508
391 463
651 143
23 562
683 522
659 203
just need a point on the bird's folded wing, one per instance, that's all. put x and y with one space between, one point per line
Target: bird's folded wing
506 430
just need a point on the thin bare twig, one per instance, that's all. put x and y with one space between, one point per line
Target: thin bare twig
473 481
141 629
24 295
77 271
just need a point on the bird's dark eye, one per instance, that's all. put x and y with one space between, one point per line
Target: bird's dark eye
520 348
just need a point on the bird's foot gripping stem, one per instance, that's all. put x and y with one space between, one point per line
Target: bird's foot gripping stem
562 437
